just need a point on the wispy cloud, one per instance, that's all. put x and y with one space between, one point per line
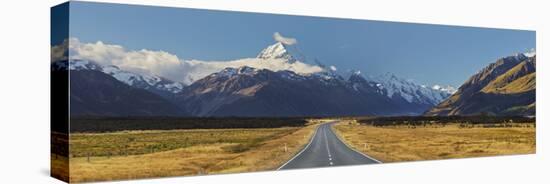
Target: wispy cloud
141 61
285 40
59 52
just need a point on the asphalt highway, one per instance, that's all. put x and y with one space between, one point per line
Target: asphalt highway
325 149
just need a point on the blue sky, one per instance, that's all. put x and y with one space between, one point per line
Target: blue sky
429 54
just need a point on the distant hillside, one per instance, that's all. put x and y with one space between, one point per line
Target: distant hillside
506 87
96 93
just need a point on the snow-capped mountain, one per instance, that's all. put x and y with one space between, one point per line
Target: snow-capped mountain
247 91
151 83
393 86
96 93
532 52
276 57
277 51
278 82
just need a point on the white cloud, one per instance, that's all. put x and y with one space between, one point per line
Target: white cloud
285 40
532 52
59 52
143 61
169 65
198 69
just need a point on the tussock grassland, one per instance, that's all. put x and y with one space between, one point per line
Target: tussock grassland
159 153
396 143
59 162
59 166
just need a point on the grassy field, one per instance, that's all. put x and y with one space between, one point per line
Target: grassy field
59 162
59 166
159 153
396 143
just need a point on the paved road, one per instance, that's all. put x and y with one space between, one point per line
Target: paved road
324 150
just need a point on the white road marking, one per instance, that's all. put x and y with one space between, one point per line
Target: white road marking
326 142
310 141
338 137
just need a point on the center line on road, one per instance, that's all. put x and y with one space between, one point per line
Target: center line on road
326 144
326 141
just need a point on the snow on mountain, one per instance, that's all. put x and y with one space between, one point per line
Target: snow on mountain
135 68
123 76
520 56
196 69
230 72
143 81
447 89
275 57
394 86
277 51
530 53
149 82
83 65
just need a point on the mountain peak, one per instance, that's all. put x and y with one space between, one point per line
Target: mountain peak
356 77
277 51
390 77
246 70
504 87
520 56
77 64
409 90
532 52
150 82
447 89
230 71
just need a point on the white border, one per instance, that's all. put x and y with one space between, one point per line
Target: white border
25 96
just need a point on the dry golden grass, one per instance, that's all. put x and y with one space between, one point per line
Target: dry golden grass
204 152
59 166
59 163
406 143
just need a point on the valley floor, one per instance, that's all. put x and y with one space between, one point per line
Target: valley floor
412 143
146 154
159 153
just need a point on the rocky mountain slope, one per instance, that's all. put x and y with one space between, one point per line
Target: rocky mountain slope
95 93
505 87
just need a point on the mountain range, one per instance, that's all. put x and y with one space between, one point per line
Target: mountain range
272 84
152 83
505 87
95 93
